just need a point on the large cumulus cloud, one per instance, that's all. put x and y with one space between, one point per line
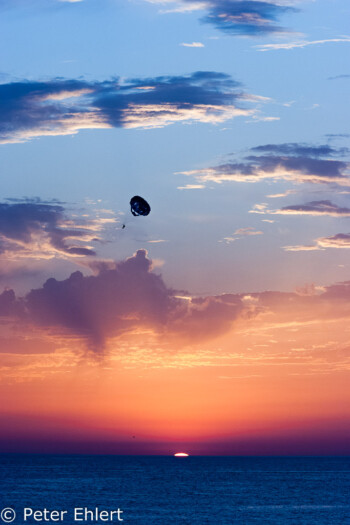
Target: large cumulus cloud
120 299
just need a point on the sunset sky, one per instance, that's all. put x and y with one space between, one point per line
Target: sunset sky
218 324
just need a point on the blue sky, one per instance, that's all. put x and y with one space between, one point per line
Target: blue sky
288 97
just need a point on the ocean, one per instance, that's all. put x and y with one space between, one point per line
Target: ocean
144 490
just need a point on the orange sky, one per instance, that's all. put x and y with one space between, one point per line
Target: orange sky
276 379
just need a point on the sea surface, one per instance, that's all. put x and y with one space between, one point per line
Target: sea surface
168 490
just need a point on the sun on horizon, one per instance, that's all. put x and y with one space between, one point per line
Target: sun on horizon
181 455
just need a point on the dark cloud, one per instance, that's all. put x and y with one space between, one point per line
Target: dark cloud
245 17
109 303
239 17
121 299
39 227
291 161
58 107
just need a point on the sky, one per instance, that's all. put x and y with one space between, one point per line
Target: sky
218 324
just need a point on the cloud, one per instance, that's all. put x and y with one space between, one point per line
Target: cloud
332 136
247 231
315 208
194 44
30 109
240 233
336 78
191 187
299 44
126 313
301 150
118 299
157 241
40 230
298 163
280 195
340 240
260 118
246 17
301 248
236 17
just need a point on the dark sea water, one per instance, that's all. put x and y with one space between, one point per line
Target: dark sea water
168 490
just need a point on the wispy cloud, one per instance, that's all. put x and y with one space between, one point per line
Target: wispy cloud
301 248
240 233
299 44
280 195
191 187
315 208
60 107
340 240
194 44
157 241
262 118
337 77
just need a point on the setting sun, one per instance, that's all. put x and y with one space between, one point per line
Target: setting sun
181 455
